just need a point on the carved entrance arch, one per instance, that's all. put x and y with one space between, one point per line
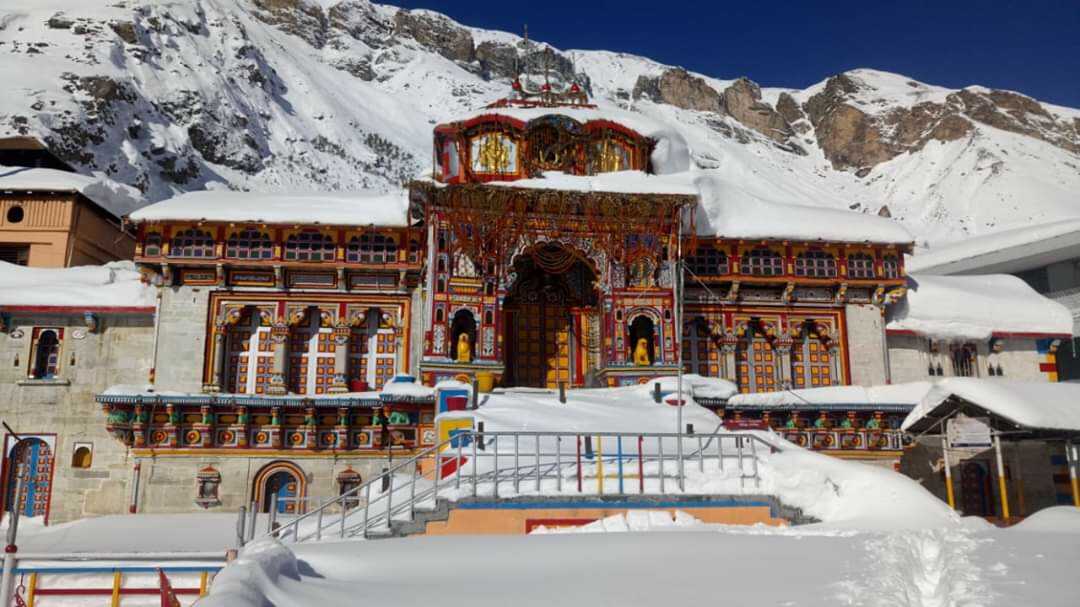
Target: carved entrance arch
552 299
285 480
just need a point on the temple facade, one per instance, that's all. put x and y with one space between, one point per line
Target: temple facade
291 346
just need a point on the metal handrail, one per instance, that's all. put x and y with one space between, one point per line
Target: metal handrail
545 464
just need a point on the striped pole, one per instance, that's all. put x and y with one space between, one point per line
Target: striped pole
116 589
600 463
948 472
1002 489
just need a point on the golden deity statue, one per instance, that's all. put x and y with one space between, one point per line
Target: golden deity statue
641 353
494 154
464 349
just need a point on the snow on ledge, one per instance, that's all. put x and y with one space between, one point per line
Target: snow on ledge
976 307
1033 405
344 209
1001 247
896 394
117 284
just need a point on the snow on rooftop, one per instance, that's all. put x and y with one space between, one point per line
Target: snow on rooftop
1033 405
976 307
623 182
727 214
113 197
1001 247
349 209
115 284
896 394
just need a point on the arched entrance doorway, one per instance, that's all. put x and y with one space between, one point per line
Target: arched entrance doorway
284 480
550 303
36 458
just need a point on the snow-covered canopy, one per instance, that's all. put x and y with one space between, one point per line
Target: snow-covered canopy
1030 405
1013 250
976 307
116 284
895 395
344 208
113 197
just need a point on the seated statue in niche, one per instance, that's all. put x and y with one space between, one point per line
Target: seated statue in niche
464 349
641 353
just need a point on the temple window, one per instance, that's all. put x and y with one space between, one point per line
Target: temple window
860 265
762 262
815 264
371 249
46 353
890 266
192 242
811 361
309 246
372 352
755 361
311 355
707 261
963 360
249 244
152 245
700 354
415 251
82 456
250 354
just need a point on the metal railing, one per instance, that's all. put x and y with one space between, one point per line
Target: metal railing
510 464
514 463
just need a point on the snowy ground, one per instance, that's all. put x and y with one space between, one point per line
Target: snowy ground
967 563
883 541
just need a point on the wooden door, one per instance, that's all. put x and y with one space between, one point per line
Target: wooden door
539 348
36 472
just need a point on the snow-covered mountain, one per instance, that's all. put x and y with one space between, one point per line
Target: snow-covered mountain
290 95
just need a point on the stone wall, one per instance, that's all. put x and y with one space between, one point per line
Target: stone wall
167 483
865 341
90 362
910 358
182 340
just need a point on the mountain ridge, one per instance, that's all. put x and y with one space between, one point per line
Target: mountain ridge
280 95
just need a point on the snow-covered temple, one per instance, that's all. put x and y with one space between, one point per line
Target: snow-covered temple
287 345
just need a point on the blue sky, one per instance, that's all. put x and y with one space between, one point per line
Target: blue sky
1032 46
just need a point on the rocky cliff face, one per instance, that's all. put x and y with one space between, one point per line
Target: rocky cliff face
302 94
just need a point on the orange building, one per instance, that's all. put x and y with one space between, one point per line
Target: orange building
47 218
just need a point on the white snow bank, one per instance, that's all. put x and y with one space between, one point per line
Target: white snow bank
1058 519
1033 405
132 533
253 579
633 520
976 307
853 495
1004 248
345 209
894 394
115 198
728 214
115 284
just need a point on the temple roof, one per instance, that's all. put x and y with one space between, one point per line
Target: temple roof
977 307
328 208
